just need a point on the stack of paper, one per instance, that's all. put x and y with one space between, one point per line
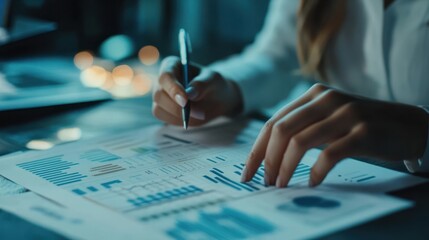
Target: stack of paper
166 183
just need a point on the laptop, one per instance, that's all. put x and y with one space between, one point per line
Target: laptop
30 83
16 28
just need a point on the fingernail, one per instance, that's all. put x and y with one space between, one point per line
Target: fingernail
198 115
244 175
180 100
192 93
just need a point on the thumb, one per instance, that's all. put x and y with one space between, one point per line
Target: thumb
201 85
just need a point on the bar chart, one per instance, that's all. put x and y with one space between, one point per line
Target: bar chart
98 155
218 176
226 224
94 189
163 196
53 169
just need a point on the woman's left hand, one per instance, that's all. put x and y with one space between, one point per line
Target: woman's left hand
349 126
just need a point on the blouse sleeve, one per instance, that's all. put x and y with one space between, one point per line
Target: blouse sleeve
264 72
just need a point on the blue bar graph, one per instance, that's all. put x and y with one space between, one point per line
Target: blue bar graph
217 176
52 169
98 155
110 183
302 170
165 196
227 224
216 159
81 192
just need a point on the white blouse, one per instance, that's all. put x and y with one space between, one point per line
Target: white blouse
378 53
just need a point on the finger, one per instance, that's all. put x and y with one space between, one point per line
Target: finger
167 117
259 148
202 85
161 98
328 158
323 132
169 80
300 118
164 101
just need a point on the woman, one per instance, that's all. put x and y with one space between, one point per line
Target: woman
373 54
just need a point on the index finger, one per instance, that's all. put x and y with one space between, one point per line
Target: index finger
170 79
258 151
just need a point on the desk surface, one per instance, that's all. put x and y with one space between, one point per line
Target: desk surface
97 120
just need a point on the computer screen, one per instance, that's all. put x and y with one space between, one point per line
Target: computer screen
4 13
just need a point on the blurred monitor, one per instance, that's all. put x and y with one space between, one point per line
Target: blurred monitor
30 83
16 28
4 13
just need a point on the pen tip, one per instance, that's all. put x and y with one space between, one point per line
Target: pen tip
185 125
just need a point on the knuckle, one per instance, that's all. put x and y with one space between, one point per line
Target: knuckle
362 129
297 142
252 155
215 77
156 96
269 124
164 77
318 88
329 155
280 128
352 109
331 94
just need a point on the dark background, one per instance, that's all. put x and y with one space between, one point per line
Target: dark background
217 28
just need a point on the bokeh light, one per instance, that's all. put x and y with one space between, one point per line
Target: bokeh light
69 134
39 145
117 47
122 75
142 84
83 60
94 76
149 55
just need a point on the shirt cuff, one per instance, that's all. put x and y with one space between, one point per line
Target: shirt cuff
422 164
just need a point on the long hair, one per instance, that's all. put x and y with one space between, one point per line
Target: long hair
317 22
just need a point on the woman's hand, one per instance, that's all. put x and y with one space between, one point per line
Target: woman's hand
347 125
210 94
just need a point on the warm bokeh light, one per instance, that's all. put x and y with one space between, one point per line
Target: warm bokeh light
109 84
94 76
149 55
142 84
122 75
69 134
39 145
83 60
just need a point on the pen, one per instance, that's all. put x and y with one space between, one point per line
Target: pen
185 50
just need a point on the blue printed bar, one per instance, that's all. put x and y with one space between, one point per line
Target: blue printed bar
165 196
98 155
52 169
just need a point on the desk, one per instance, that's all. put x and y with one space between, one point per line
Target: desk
97 120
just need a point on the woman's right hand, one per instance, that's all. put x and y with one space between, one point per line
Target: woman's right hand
210 94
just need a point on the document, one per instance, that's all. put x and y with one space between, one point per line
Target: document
168 180
74 223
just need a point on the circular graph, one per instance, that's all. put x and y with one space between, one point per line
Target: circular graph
316 202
